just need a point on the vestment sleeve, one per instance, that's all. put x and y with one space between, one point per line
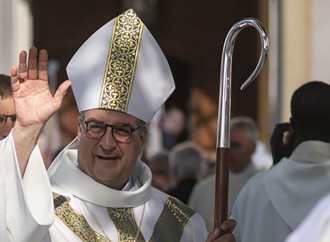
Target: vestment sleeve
27 203
195 229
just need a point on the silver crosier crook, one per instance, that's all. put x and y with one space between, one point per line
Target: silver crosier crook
222 170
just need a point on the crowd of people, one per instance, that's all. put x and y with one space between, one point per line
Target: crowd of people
103 187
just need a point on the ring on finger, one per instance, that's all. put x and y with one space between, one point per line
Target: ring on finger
22 79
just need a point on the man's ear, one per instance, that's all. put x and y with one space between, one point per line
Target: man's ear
144 136
79 130
143 139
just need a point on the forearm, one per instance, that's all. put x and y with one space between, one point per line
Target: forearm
25 140
34 103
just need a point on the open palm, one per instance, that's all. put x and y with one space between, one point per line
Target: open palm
34 102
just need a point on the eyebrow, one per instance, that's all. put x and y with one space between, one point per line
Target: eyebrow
2 114
98 121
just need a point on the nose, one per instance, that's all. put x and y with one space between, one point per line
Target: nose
10 122
5 130
107 142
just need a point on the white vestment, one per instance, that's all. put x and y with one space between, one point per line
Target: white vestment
316 226
84 208
202 197
274 202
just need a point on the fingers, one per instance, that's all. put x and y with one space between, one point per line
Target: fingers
278 132
226 238
63 88
14 78
35 68
61 91
282 127
228 226
282 141
22 65
213 236
42 65
32 67
216 236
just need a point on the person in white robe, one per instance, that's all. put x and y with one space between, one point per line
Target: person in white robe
243 139
316 226
273 203
97 189
7 121
7 107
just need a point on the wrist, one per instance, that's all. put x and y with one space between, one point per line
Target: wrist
26 135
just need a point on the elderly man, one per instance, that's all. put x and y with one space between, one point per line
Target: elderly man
99 189
185 160
7 107
243 139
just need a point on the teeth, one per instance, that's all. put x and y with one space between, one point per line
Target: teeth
106 158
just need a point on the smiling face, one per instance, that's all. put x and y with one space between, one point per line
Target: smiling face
106 160
7 107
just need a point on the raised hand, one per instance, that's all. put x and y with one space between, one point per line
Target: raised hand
282 142
34 103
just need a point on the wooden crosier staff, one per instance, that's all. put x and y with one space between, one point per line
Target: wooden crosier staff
222 170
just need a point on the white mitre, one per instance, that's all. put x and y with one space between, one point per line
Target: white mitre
121 67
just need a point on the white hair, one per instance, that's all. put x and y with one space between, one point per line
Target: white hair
187 159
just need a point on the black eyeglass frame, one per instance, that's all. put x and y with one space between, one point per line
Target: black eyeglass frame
12 117
112 126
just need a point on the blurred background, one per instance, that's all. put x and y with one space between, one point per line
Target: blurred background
191 33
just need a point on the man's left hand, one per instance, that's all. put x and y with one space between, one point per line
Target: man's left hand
224 233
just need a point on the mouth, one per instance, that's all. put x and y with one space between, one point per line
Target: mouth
107 158
107 161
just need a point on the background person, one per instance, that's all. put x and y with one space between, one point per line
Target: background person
243 139
273 203
7 107
185 160
160 169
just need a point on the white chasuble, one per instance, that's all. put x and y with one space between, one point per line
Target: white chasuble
316 226
86 210
273 203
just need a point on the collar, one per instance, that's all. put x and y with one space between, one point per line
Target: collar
311 151
66 174
249 171
294 185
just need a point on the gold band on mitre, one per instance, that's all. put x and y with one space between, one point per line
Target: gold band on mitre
121 64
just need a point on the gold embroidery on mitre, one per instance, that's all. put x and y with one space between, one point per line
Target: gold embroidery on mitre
121 64
125 223
171 222
75 221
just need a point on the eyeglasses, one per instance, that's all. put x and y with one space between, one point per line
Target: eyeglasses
3 119
120 132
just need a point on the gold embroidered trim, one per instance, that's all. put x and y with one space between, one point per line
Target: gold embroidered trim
172 221
125 223
75 221
121 64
